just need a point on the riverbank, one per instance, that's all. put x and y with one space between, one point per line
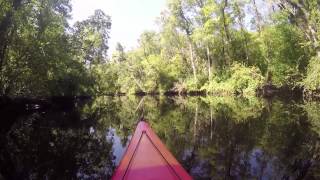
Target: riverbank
38 103
67 102
265 91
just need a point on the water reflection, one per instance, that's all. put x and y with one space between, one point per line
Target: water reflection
214 138
54 145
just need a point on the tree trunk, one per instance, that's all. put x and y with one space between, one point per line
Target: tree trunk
192 61
246 49
243 31
227 38
209 63
258 16
211 123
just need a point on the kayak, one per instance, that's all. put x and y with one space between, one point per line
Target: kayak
147 158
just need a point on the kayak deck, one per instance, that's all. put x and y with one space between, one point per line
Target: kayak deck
148 158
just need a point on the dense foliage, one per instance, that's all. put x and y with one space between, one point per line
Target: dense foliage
222 47
42 55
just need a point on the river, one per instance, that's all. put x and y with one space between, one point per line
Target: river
212 137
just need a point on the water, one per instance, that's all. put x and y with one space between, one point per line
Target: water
212 137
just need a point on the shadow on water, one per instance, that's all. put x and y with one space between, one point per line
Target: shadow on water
213 137
55 143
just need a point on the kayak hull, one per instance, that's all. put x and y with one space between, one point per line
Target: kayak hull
148 158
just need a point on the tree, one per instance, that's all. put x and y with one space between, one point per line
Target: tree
149 43
178 10
91 38
40 54
306 15
8 10
119 55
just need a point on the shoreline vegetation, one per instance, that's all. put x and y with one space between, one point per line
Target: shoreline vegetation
44 102
218 48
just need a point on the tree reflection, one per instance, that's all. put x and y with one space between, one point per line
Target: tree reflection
226 138
213 138
55 145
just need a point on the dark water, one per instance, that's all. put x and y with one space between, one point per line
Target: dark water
213 138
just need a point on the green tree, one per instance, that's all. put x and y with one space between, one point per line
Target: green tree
90 38
119 55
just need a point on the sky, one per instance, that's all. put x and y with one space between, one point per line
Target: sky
129 17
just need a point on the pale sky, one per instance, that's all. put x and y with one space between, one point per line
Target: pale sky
129 17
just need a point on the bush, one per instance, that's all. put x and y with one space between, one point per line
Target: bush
106 76
245 80
281 45
160 74
312 109
214 87
242 80
312 79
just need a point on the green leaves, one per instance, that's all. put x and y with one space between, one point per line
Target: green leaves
240 80
90 38
312 80
202 45
43 56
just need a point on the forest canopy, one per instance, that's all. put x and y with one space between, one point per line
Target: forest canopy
220 47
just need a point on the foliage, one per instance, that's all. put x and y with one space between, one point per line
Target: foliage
241 109
201 45
204 47
41 55
104 79
312 79
285 55
312 109
245 79
241 80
